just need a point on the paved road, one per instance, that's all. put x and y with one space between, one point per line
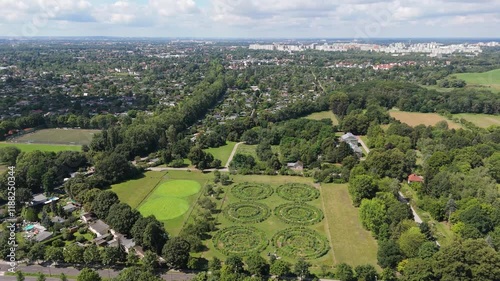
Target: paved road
225 169
416 217
71 271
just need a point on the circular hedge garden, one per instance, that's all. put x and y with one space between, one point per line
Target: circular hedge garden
300 242
298 213
252 191
247 212
297 192
240 240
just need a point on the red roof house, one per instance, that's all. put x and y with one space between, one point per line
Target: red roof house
415 178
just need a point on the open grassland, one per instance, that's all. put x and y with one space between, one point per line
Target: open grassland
170 196
222 153
480 120
58 136
352 244
489 80
28 147
417 118
323 115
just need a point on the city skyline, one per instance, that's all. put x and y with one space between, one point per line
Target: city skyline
357 19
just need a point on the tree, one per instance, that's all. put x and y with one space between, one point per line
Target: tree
122 218
361 187
88 274
37 252
73 254
419 270
176 252
467 260
54 254
103 203
132 257
344 272
41 277
301 268
150 261
136 274
410 241
427 250
366 272
214 264
19 276
257 265
280 268
63 277
91 255
389 254
8 155
373 216
234 263
112 255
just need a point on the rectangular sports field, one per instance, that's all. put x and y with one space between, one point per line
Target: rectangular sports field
416 118
323 115
28 147
480 120
58 136
489 80
149 195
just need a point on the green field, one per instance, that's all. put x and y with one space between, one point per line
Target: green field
272 224
27 147
352 244
58 136
323 115
222 153
169 196
489 80
416 118
480 120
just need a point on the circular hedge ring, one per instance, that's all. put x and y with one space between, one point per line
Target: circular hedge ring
240 240
247 212
297 192
300 242
252 191
298 213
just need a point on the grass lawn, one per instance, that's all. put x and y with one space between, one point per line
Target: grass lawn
134 191
480 120
352 244
247 149
222 153
323 115
417 118
170 196
272 224
27 147
490 79
59 136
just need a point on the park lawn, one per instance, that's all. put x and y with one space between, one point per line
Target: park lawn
134 191
489 79
247 149
272 224
352 244
59 136
27 147
323 115
480 120
416 118
222 153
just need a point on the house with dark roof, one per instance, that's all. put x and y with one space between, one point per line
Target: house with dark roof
42 236
99 228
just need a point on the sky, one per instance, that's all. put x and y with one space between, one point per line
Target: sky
359 19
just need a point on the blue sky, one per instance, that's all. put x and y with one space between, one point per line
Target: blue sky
251 18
